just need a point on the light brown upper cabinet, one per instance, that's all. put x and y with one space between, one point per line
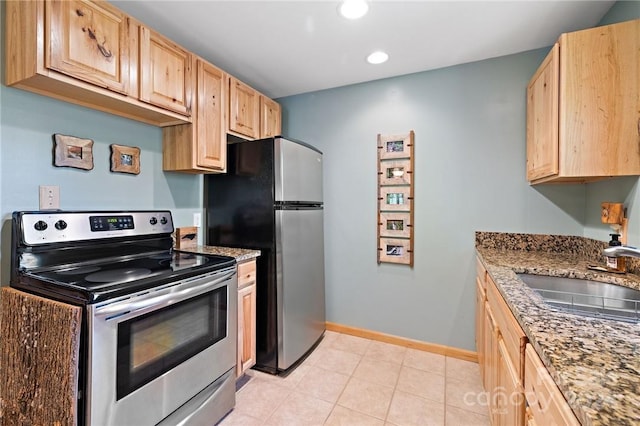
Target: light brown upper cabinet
244 110
89 41
200 147
583 107
270 118
165 72
86 52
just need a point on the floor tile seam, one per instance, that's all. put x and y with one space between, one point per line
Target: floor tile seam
395 388
273 381
354 352
333 405
279 404
465 410
381 359
354 409
364 379
449 381
421 397
322 399
426 371
361 412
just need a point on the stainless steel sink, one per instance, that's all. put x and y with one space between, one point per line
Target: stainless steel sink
586 297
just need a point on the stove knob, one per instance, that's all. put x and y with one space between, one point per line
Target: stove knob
40 225
163 220
61 225
153 221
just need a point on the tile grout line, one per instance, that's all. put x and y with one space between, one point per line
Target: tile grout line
395 387
345 385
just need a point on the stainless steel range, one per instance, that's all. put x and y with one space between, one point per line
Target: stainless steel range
159 330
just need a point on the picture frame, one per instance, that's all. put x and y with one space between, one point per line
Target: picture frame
71 151
395 251
395 225
395 230
396 172
395 198
125 159
395 146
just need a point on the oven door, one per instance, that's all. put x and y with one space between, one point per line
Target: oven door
151 352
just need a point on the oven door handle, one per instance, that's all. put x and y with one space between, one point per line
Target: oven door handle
116 310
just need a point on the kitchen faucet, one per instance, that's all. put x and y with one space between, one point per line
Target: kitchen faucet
618 251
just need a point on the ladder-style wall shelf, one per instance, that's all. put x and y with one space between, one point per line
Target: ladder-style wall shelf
395 198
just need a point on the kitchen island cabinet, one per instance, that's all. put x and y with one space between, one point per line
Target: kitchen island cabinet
583 108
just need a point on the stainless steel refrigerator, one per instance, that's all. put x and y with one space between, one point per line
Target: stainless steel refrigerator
271 199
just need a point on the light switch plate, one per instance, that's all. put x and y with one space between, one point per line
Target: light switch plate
49 197
197 219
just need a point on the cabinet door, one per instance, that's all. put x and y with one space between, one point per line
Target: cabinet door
509 396
480 328
244 104
270 118
542 118
491 360
89 41
547 405
246 328
599 102
211 140
165 73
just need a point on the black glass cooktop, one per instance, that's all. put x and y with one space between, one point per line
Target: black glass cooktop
97 281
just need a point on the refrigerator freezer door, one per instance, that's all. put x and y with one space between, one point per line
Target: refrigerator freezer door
298 172
300 282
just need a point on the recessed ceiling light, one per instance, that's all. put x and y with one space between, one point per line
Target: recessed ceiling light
377 57
353 9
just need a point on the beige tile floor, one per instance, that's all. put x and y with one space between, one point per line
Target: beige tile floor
349 380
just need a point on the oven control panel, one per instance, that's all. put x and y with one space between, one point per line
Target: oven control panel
45 227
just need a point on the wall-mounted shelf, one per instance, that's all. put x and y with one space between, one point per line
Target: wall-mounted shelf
395 198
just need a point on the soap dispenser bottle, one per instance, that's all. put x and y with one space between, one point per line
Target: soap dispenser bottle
615 264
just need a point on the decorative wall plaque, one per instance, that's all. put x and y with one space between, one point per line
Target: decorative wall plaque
70 151
395 198
125 159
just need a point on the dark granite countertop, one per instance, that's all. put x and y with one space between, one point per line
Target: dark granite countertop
241 255
595 362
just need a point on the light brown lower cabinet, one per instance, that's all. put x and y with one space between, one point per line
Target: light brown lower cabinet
481 298
502 346
546 405
246 357
520 389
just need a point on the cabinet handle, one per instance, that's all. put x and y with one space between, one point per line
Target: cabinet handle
92 35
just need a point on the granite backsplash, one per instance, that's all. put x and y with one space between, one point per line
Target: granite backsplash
585 247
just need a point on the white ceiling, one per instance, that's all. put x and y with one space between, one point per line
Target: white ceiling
284 48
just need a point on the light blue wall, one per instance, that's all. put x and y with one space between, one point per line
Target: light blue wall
27 123
623 190
470 163
469 122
